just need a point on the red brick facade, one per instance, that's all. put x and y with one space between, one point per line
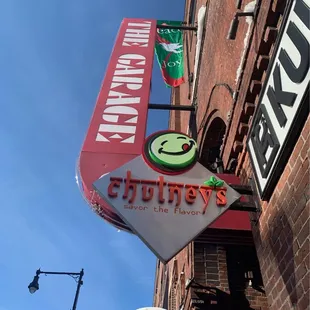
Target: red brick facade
230 78
282 236
217 266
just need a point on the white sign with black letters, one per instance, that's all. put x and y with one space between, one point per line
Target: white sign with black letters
281 99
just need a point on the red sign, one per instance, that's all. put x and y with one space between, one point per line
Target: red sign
117 128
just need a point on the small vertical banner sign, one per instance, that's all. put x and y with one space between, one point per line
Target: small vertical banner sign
169 52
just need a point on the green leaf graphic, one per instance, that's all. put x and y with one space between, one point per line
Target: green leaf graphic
213 182
213 179
208 183
219 183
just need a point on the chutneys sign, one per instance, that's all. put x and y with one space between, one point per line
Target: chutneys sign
164 195
174 189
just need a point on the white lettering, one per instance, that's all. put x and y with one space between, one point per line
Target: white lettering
135 37
136 40
101 138
128 63
133 56
129 71
117 128
171 64
119 119
127 79
119 110
131 83
167 31
120 98
133 120
147 25
140 30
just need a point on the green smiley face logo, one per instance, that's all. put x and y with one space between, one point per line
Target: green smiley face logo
170 151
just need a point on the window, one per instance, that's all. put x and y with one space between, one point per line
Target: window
182 285
180 290
172 301
165 287
191 21
173 296
192 12
212 143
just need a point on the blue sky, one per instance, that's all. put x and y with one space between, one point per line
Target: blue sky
53 56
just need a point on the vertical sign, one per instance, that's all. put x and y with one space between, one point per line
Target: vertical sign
120 114
117 129
282 107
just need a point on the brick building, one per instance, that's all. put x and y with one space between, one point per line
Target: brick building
266 266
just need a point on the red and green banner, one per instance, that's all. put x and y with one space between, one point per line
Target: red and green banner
169 52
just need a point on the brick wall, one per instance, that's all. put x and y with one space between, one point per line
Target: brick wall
210 266
260 51
181 263
181 95
220 61
208 263
282 236
222 268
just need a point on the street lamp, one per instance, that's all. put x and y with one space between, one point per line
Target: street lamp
34 285
77 276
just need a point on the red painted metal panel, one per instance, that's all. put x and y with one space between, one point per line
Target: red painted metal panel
127 86
117 129
236 220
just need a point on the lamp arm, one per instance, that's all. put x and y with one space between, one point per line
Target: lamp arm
59 273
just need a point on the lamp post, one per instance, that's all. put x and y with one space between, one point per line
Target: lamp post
77 276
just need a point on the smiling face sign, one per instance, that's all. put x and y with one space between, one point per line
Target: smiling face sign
170 152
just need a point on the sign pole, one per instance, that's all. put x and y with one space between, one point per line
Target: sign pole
155 106
191 28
